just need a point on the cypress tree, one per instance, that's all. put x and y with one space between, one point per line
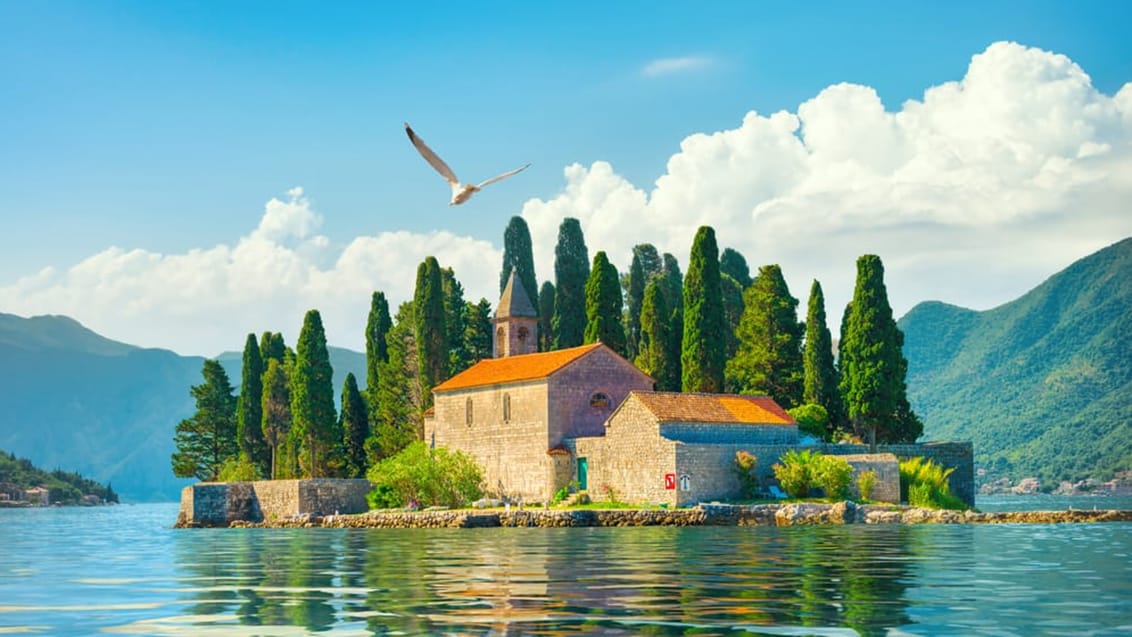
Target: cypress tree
873 366
399 391
571 271
545 316
455 311
477 330
732 295
655 355
603 305
672 286
312 397
634 298
734 265
249 409
205 440
271 345
769 359
430 333
518 256
378 324
820 385
354 424
276 410
702 355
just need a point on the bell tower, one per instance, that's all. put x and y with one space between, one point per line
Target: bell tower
516 322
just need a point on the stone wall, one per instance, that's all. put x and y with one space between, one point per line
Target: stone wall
631 458
885 466
222 503
730 433
573 387
957 455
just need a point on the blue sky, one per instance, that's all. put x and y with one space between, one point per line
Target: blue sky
148 147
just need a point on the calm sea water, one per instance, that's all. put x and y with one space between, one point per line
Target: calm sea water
123 570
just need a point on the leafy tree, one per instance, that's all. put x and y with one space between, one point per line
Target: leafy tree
312 397
437 476
518 256
354 424
603 305
769 359
820 375
477 330
873 366
378 324
702 356
732 295
655 355
545 316
208 437
812 419
276 410
734 265
459 358
400 393
430 333
571 271
249 409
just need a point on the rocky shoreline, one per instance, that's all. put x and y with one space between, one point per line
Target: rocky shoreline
792 514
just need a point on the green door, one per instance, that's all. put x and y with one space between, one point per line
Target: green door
582 471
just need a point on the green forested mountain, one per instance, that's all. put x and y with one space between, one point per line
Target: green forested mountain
63 487
1042 385
73 399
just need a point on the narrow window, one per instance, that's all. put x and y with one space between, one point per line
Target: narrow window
506 407
468 411
599 401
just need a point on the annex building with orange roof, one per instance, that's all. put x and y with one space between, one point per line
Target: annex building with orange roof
539 421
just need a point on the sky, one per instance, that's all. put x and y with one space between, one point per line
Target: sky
180 174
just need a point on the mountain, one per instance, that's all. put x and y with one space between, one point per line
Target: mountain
1042 385
342 361
72 399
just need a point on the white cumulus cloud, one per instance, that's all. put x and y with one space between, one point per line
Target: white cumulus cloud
972 195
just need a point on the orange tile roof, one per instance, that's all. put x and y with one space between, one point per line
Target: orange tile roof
497 371
714 408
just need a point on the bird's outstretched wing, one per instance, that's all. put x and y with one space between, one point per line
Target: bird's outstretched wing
501 177
432 158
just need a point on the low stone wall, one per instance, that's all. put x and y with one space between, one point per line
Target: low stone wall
959 456
224 503
792 514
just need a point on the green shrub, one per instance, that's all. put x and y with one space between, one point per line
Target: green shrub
794 472
832 475
866 482
923 483
745 464
432 477
812 420
238 470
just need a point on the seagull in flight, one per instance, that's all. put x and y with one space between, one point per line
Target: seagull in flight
460 192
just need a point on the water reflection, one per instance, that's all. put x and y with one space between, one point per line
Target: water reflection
657 581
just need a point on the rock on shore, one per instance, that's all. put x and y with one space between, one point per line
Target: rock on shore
792 514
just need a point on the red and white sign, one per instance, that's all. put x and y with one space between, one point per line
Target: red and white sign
670 481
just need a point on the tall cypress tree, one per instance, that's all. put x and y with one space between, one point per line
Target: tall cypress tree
769 359
873 366
271 345
732 295
518 256
205 440
459 358
477 330
672 286
431 335
276 410
734 265
249 409
603 305
655 355
378 324
399 391
702 356
545 316
646 265
312 397
571 271
354 424
820 385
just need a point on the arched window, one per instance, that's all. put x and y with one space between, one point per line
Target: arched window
468 411
506 407
600 401
523 334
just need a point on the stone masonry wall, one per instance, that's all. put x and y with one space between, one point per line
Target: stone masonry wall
572 387
957 455
512 452
221 503
717 433
631 458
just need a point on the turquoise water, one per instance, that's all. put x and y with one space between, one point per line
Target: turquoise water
123 570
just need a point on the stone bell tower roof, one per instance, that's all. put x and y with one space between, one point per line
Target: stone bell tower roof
514 302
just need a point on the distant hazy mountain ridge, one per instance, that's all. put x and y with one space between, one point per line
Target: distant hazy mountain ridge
1042 385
